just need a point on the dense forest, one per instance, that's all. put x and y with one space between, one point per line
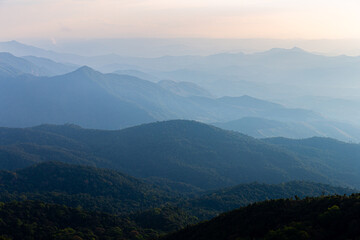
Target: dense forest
91 188
327 217
36 220
185 173
211 204
110 191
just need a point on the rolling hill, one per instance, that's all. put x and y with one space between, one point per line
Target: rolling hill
110 191
213 203
182 151
92 188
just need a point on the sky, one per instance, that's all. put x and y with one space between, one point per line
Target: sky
277 19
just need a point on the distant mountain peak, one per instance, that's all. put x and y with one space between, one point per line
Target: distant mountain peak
86 70
297 49
285 50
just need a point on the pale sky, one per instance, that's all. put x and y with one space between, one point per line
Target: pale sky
280 19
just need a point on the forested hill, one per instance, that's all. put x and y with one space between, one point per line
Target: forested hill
91 188
109 191
179 151
334 217
211 204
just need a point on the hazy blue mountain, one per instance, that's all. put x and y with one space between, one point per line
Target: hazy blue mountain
76 97
123 100
233 108
271 74
265 128
50 67
188 152
19 49
138 74
185 89
340 109
15 66
158 102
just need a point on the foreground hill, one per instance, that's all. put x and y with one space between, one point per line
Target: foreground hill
37 220
333 217
180 151
91 188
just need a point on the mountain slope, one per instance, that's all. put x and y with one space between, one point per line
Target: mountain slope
182 151
111 101
326 153
185 89
189 152
15 66
333 217
266 128
75 97
50 67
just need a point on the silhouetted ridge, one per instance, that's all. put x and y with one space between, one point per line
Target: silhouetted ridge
332 217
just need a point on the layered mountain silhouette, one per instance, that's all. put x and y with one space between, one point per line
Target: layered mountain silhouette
11 66
111 101
266 128
185 152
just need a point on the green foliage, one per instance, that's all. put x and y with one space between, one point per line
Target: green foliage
88 187
36 220
165 219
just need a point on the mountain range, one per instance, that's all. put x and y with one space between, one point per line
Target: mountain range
111 101
270 74
104 190
187 152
